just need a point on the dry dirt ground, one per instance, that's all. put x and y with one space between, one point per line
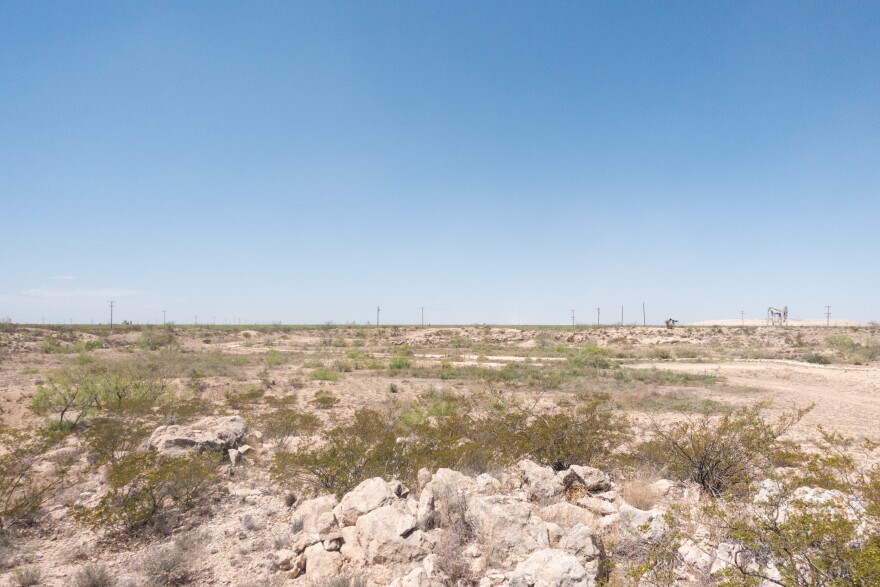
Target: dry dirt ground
750 363
650 373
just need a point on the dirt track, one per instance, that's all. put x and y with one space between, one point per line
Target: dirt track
846 397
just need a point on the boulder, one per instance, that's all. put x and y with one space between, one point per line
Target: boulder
598 506
581 542
643 524
541 483
505 527
307 512
549 568
389 534
448 491
366 497
313 521
426 514
214 434
322 564
592 479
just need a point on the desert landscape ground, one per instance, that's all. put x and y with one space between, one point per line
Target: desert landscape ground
93 421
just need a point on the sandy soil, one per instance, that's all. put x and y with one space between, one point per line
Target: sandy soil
846 398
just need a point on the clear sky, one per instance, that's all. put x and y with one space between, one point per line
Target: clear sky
499 162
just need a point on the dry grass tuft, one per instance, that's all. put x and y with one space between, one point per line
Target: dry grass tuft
637 491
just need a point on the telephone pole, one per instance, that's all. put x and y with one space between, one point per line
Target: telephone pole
598 312
423 315
621 315
742 317
111 316
163 316
378 309
644 316
827 315
572 317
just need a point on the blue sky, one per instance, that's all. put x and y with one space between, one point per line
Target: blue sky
500 162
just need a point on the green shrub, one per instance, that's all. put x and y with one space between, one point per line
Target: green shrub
71 394
325 375
241 399
809 542
112 435
664 377
279 425
324 399
146 489
22 491
153 339
817 359
274 358
54 346
722 454
399 363
442 435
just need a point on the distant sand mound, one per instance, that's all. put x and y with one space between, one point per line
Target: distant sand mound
763 322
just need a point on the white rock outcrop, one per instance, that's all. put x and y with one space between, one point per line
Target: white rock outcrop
214 434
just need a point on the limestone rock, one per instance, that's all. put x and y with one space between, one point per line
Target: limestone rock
593 480
549 568
540 483
321 563
598 506
644 524
213 433
506 527
366 497
313 521
389 534
581 542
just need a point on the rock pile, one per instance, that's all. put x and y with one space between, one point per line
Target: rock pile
527 527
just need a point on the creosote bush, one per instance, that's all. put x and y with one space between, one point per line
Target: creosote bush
375 444
281 424
816 526
725 453
146 490
22 490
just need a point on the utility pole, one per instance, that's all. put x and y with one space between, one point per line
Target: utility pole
598 312
572 317
742 317
378 309
827 315
423 315
644 317
111 316
621 315
163 316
